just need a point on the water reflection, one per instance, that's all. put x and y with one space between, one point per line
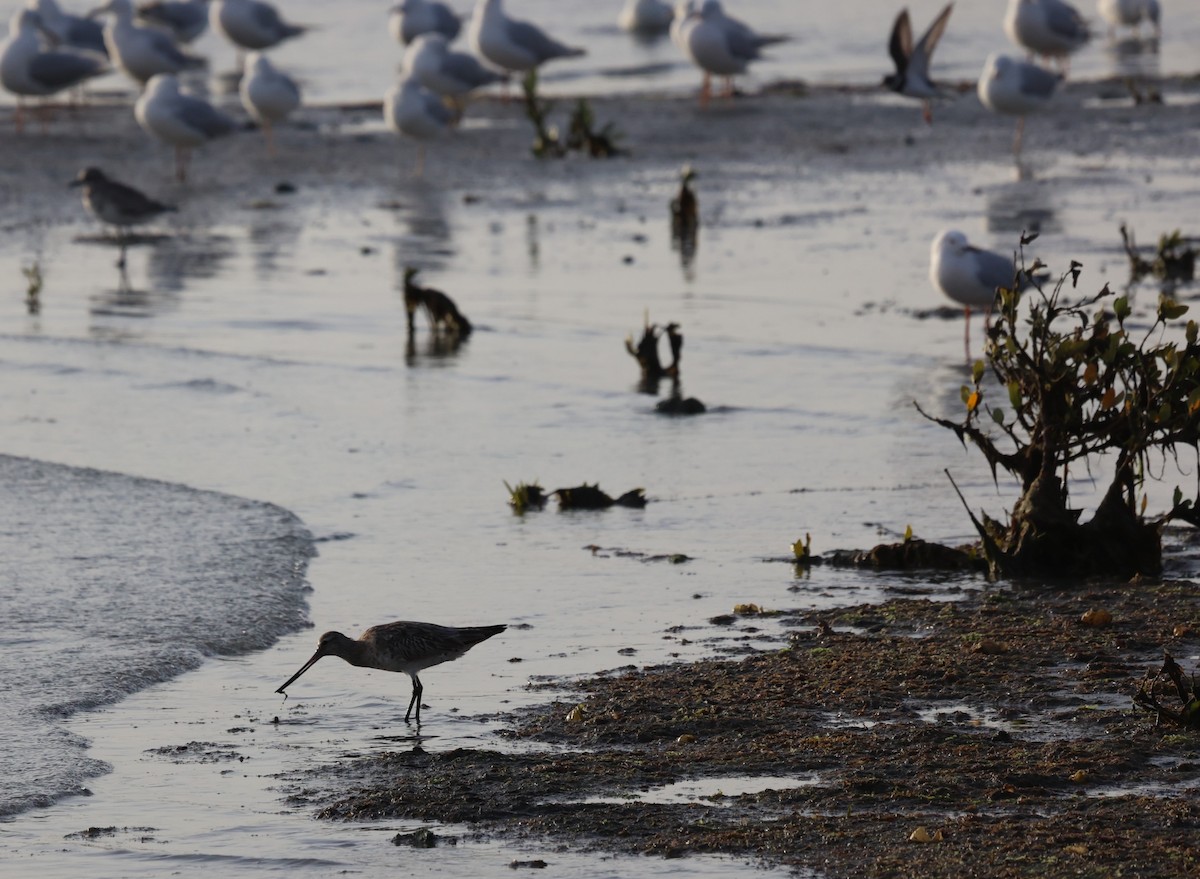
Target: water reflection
1021 206
437 348
420 210
272 233
1134 56
182 258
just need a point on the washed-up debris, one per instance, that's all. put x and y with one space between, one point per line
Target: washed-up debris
590 497
422 837
526 496
674 558
1174 258
645 352
1188 715
581 132
676 404
685 214
443 314
908 555
531 496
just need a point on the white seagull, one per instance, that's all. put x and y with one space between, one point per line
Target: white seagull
66 29
183 121
681 17
1016 88
410 109
452 75
141 52
968 275
185 19
251 24
512 45
720 45
1046 27
1129 13
268 94
410 19
912 62
28 70
645 18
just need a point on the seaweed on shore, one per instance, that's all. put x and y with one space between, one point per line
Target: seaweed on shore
1188 715
1174 257
590 497
582 135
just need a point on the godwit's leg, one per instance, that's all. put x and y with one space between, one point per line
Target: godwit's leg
269 134
927 111
418 688
967 331
705 91
19 115
420 159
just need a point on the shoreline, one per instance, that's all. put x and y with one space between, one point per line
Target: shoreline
904 739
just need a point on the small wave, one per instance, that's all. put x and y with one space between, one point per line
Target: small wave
118 583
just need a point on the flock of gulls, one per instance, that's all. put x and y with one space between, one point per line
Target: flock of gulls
49 51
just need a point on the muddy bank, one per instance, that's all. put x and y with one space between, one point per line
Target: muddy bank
1002 725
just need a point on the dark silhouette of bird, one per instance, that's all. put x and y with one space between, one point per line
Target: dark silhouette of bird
912 62
404 646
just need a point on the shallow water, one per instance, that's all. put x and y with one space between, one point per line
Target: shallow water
262 354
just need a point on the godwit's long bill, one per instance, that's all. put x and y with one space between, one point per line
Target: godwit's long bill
403 646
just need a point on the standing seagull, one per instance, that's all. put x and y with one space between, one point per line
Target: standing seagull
267 94
185 19
645 18
141 52
968 275
720 45
1016 88
1046 27
251 24
66 29
183 121
452 75
27 70
512 45
1129 13
116 204
417 112
912 63
410 19
402 646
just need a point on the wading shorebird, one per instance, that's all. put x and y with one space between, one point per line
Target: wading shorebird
116 204
401 646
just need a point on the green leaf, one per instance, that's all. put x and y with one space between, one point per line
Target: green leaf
965 393
977 371
998 416
1191 332
1169 309
1014 395
1121 308
1177 498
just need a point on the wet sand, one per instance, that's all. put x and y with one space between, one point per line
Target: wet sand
999 730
